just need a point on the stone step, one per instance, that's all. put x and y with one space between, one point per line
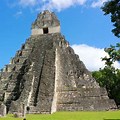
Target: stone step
103 104
18 59
5 75
82 92
26 46
3 85
78 99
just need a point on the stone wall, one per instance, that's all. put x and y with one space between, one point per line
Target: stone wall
83 100
47 76
54 29
76 89
38 93
39 31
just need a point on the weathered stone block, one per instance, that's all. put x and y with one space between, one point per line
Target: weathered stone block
2 110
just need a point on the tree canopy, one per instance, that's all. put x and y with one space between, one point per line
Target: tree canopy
113 8
109 76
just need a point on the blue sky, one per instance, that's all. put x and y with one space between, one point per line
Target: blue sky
82 23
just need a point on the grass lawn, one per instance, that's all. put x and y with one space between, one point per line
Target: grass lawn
108 115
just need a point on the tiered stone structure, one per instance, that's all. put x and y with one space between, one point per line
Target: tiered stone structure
47 76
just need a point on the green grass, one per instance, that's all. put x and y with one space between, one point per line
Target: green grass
112 115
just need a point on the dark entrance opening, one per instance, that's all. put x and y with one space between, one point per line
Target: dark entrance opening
45 30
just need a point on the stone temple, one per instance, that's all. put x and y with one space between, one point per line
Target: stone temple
47 76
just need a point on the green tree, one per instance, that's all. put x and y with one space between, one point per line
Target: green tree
113 8
113 54
109 76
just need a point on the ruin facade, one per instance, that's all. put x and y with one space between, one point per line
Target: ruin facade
47 76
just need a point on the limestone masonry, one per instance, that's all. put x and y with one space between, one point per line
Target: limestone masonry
47 76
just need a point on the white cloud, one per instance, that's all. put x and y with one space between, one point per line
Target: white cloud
51 4
28 2
91 56
62 4
59 5
18 13
99 3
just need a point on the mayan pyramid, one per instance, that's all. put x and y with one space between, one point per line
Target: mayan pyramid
47 76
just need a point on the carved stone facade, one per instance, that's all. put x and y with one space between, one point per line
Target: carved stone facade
47 76
46 23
